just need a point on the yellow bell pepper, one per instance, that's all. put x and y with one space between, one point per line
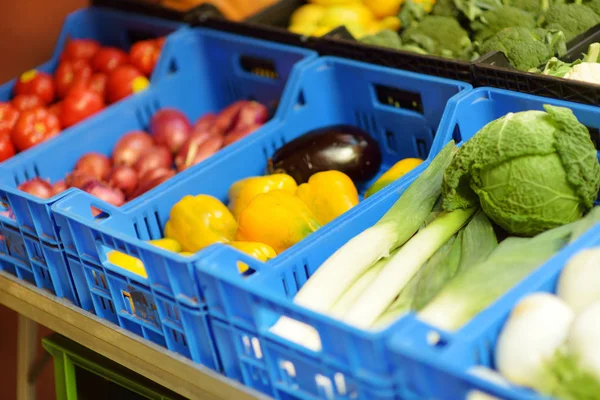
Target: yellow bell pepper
167 244
242 192
186 254
392 23
300 29
384 8
328 195
347 14
308 14
127 262
199 221
260 251
399 169
276 218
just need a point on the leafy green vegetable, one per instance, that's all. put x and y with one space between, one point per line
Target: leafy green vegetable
530 171
594 5
526 48
532 6
571 382
441 36
571 19
493 21
385 38
561 69
474 8
446 8
411 13
475 288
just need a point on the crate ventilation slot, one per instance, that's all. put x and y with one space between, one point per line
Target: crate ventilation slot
399 98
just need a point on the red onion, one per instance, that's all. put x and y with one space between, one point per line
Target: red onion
184 156
152 179
240 133
170 128
227 119
58 187
205 122
37 187
200 151
95 164
156 157
78 179
130 147
124 178
104 192
253 113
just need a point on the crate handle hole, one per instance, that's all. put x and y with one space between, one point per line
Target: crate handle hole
391 141
399 98
259 66
595 136
301 99
98 214
297 332
456 134
127 262
173 66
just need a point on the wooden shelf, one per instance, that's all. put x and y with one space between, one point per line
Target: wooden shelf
156 363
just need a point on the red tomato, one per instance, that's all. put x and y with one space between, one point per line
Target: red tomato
8 116
108 58
38 83
144 55
56 109
124 81
69 72
80 49
80 104
7 150
33 127
97 83
27 102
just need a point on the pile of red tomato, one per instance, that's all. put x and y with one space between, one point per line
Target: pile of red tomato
88 78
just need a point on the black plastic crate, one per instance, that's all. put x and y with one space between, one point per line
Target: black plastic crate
154 8
272 22
494 70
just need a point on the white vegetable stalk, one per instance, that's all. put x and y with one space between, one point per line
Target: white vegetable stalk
536 329
579 283
349 298
402 266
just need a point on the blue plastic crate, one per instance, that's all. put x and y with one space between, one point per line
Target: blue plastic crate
34 215
93 23
351 355
202 72
400 109
475 342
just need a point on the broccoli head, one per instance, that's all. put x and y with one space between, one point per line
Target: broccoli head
493 21
446 8
594 5
526 48
534 6
571 19
384 38
441 36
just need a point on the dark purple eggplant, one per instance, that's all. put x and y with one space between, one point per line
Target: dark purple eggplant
344 148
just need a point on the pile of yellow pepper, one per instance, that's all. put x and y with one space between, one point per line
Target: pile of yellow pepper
266 214
360 17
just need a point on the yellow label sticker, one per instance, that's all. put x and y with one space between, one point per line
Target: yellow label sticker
140 83
28 76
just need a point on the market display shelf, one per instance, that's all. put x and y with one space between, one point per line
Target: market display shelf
155 363
202 71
